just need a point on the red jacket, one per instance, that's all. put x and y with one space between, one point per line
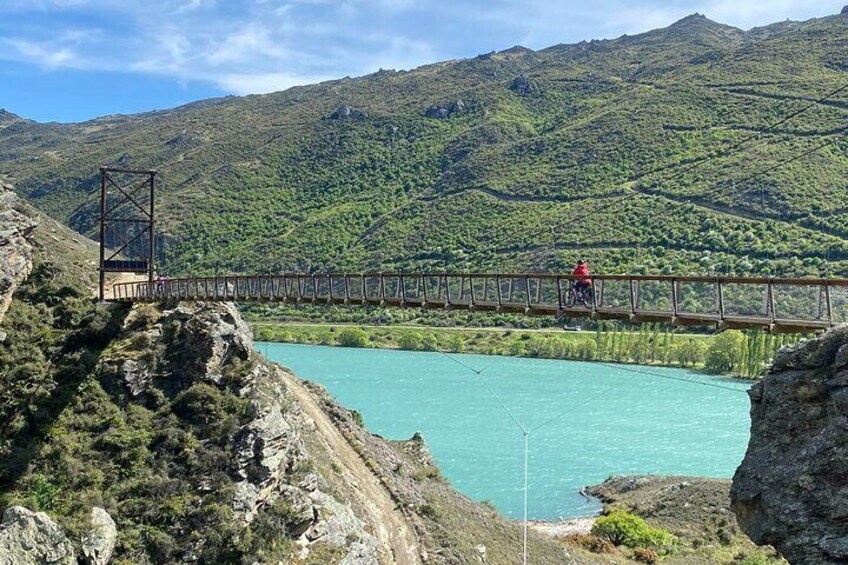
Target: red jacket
583 271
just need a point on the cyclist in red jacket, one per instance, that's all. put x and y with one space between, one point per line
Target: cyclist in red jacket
584 283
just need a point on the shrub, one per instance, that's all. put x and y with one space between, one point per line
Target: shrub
353 337
427 472
590 542
644 555
759 557
624 528
457 344
429 343
410 341
726 352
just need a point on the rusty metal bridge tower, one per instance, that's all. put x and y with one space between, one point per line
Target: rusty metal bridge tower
127 220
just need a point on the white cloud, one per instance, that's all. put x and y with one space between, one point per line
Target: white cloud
45 55
258 46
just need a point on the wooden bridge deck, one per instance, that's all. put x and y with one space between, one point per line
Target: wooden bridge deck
775 304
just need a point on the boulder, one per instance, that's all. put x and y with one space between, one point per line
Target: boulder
436 113
98 542
521 86
790 489
844 10
32 538
442 112
347 112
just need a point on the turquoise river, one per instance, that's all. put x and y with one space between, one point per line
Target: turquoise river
591 420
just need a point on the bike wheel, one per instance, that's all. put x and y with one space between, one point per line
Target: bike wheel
570 298
586 298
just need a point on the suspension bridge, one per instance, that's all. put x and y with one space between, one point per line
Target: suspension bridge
782 305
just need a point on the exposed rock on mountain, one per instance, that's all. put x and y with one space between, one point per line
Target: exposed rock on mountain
190 351
790 489
521 85
98 543
442 112
15 246
32 538
345 112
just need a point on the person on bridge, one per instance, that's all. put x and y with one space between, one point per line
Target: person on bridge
583 283
160 285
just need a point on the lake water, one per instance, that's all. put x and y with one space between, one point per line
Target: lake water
607 420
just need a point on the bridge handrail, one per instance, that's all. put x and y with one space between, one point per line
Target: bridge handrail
546 276
684 299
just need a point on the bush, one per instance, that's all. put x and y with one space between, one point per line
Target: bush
457 344
644 555
429 343
726 352
353 337
590 542
759 557
410 341
624 528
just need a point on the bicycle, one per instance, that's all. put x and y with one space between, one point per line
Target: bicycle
579 294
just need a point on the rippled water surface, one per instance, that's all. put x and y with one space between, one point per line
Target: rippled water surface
601 420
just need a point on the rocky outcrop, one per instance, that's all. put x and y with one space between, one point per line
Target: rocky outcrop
32 538
347 112
445 112
790 489
172 348
15 246
521 86
194 344
98 542
844 10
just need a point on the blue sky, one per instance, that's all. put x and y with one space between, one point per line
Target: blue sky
70 60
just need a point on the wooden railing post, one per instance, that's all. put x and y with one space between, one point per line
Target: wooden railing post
720 300
770 294
424 288
827 301
382 289
559 294
498 285
402 284
634 298
527 294
674 298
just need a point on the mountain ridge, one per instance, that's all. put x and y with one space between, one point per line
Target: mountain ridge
271 182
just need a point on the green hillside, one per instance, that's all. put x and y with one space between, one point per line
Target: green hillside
518 159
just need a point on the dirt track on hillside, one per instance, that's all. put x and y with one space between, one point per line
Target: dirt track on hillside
399 544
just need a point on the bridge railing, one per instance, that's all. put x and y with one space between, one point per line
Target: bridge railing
775 303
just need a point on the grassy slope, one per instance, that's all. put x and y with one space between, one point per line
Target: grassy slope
268 183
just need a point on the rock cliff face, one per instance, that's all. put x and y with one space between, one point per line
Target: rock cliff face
30 538
15 246
210 344
790 490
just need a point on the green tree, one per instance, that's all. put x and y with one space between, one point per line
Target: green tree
726 353
353 337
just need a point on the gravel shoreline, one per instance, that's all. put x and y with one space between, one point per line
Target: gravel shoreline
565 527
